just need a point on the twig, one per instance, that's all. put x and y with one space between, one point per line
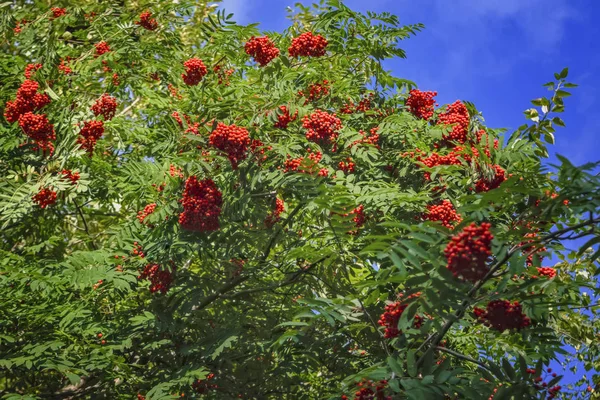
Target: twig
128 108
462 357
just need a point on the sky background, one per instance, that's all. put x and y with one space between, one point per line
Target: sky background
494 53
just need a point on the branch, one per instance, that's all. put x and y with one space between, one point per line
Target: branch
85 225
462 357
243 278
126 110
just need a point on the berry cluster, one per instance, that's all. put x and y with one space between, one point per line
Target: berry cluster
392 314
147 22
347 166
435 159
138 250
45 197
58 12
468 252
487 183
106 106
421 104
262 49
202 386
149 209
258 149
502 315
371 138
175 171
533 249
369 390
316 91
548 272
308 45
275 216
284 118
445 213
322 127
303 164
70 175
89 135
19 26
27 100
101 48
30 70
202 202
231 139
362 106
358 218
223 74
38 128
174 92
195 70
457 116
160 279
64 67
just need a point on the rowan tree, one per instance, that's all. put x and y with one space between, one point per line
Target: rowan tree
192 207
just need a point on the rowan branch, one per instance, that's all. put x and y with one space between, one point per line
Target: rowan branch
463 357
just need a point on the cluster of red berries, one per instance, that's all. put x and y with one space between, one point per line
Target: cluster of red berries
552 391
45 197
191 128
457 116
434 160
275 216
223 74
149 209
371 138
64 67
28 100
362 106
308 45
316 91
38 128
262 49
101 48
174 92
160 279
175 171
231 139
322 127
138 250
147 22
392 314
532 250
89 135
485 184
201 202
195 70
421 104
444 212
106 106
58 12
202 386
284 118
239 266
306 165
358 217
502 315
468 252
369 390
30 70
548 272
19 26
347 166
70 175
258 149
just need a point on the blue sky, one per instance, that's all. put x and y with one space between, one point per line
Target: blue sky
494 53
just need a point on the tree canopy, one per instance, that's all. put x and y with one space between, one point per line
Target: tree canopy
190 207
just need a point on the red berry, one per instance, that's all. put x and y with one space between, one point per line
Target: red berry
147 22
468 252
308 45
195 70
262 49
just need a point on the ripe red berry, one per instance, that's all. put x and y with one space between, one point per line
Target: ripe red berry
457 116
445 213
262 49
99 335
160 279
195 70
274 217
284 118
486 183
70 175
392 314
308 45
149 209
58 12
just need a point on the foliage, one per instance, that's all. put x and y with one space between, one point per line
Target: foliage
234 238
